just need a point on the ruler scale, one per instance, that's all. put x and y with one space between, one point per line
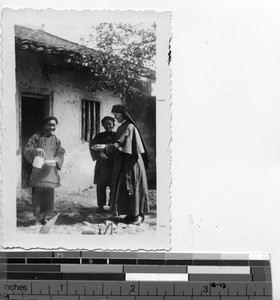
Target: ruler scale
93 275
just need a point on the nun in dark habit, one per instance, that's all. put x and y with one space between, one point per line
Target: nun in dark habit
129 188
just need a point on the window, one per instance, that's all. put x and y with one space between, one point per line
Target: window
90 119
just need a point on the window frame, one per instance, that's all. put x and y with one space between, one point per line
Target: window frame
90 119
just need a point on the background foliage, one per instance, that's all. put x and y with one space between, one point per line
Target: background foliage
123 57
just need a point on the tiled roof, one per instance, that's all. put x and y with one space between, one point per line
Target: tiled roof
39 40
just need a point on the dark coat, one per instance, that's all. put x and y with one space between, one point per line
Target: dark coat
103 167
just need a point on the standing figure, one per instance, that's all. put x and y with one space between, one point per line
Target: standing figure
45 152
104 164
129 193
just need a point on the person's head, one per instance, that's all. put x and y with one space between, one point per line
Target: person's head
120 112
49 124
108 123
119 117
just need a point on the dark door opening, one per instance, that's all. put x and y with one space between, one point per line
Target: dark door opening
33 110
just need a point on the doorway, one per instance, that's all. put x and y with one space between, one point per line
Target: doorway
34 108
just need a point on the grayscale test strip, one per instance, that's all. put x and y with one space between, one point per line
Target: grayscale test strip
93 275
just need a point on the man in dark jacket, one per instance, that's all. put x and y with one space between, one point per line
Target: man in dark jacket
104 164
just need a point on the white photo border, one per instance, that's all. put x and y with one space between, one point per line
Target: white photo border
10 237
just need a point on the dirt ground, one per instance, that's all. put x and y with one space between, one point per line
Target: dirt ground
78 214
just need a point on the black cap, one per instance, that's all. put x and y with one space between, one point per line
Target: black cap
49 118
107 118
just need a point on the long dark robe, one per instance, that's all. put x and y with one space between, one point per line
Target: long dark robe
44 180
103 167
129 192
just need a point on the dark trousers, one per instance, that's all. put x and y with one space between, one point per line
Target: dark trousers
101 194
42 200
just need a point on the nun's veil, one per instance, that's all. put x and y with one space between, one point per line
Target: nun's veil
123 109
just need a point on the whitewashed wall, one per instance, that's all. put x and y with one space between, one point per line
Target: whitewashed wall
68 88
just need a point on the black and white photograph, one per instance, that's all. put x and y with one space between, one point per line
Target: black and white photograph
90 129
141 130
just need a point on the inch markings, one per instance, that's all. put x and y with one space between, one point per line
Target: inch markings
117 288
133 276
